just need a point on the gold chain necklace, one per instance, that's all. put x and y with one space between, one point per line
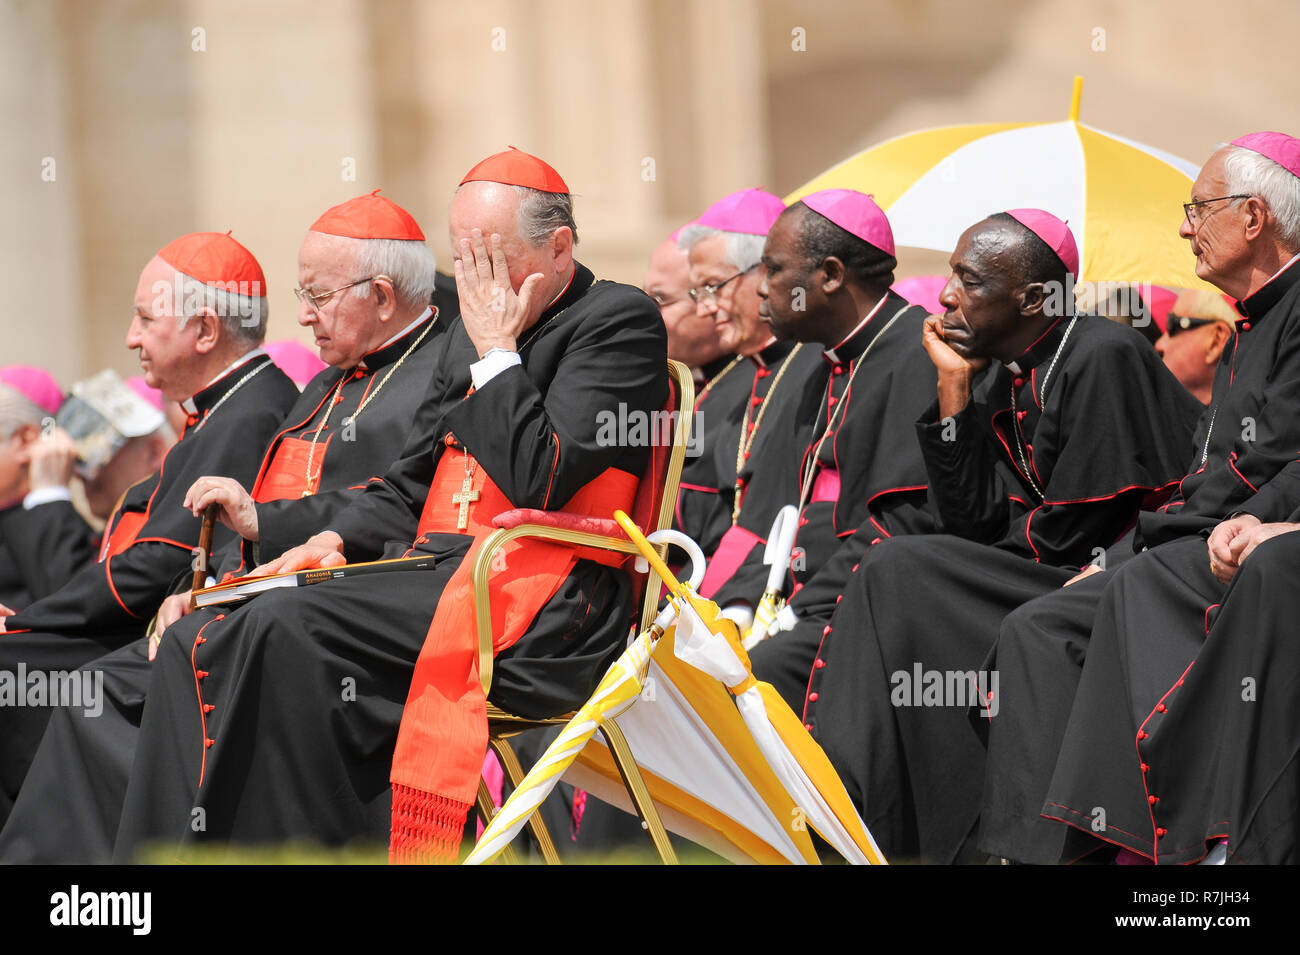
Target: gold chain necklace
224 398
806 484
338 392
708 385
748 434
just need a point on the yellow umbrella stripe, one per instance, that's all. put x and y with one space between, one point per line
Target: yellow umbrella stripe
672 800
891 168
812 758
716 709
1143 246
620 686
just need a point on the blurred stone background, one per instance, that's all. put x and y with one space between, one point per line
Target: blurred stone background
129 122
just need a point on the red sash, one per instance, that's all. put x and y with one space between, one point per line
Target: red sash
285 478
443 736
125 531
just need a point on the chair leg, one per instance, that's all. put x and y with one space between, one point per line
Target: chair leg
515 773
637 789
487 809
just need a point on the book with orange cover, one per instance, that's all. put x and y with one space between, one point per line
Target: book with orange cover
243 588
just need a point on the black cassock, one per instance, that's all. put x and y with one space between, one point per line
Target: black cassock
867 482
41 549
1149 619
775 421
1025 492
703 510
302 691
1228 753
107 604
68 808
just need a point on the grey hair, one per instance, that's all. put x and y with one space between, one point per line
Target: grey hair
241 311
541 213
410 263
1245 170
742 250
16 410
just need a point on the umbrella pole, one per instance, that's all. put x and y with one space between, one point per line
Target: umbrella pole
638 791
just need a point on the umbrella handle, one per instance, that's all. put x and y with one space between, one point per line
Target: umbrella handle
780 540
650 554
670 536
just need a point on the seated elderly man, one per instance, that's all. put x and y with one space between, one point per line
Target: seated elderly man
353 708
199 319
741 405
1047 457
1106 656
365 274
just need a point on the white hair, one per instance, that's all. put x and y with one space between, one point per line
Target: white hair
17 410
742 250
408 262
242 314
1246 171
541 213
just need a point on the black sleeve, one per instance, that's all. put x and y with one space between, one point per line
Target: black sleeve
280 524
118 592
541 450
389 508
49 544
902 513
966 488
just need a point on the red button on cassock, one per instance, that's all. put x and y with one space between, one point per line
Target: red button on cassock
826 631
819 663
1153 799
812 697
1142 734
1160 707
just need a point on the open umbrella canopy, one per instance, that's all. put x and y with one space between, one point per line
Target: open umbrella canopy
1121 198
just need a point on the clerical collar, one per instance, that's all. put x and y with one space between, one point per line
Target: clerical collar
389 351
211 393
772 353
708 372
1042 349
855 341
1254 306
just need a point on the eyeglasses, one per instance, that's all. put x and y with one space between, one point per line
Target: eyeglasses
316 301
1193 209
1176 324
707 293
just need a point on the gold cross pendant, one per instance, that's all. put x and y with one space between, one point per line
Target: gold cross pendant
465 498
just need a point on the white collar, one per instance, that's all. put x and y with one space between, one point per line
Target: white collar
189 405
1282 269
423 315
830 352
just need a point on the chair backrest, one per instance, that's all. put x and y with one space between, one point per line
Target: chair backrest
652 509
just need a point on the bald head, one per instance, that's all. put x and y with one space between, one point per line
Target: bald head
1007 287
495 208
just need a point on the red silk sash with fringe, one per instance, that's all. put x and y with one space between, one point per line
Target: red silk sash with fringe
443 736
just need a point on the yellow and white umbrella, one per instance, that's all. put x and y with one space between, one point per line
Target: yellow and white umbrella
1121 198
741 775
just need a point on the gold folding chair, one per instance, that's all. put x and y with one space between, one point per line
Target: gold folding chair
652 511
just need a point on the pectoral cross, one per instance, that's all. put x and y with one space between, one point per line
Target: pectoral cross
465 498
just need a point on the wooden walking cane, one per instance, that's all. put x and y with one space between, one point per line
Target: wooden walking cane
204 549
